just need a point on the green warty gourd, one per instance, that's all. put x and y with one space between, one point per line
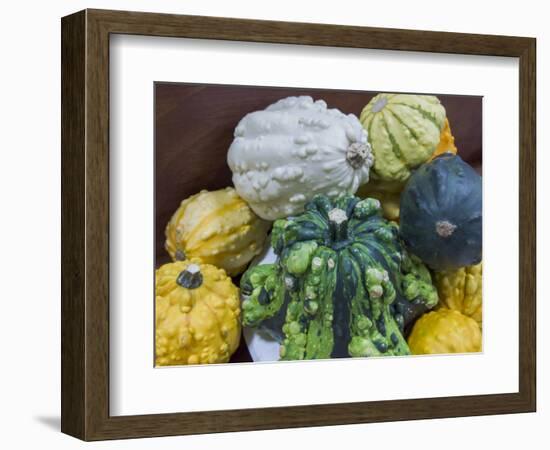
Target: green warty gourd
343 283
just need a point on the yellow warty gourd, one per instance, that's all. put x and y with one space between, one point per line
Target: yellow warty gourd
219 228
389 192
461 290
445 331
197 314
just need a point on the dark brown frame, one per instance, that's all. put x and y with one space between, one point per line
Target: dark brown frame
85 224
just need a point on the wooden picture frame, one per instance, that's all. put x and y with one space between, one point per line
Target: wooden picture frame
85 224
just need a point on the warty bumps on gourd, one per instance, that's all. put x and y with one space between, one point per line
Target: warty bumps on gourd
294 149
197 314
461 289
342 285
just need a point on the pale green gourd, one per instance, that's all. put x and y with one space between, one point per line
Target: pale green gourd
296 148
404 130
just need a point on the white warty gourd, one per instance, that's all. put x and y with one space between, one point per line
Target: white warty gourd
296 148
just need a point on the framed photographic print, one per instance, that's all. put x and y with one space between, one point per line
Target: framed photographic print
271 225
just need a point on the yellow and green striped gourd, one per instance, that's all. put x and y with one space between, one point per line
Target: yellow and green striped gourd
403 130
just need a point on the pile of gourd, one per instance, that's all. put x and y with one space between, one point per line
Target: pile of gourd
375 227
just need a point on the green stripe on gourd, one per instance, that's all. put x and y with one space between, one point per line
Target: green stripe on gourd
343 284
403 130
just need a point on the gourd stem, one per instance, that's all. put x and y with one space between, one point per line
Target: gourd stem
191 277
338 222
339 231
444 228
357 154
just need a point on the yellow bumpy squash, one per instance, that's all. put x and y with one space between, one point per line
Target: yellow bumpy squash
445 331
461 290
197 314
389 192
219 228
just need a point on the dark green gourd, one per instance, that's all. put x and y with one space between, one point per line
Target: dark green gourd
441 213
343 284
